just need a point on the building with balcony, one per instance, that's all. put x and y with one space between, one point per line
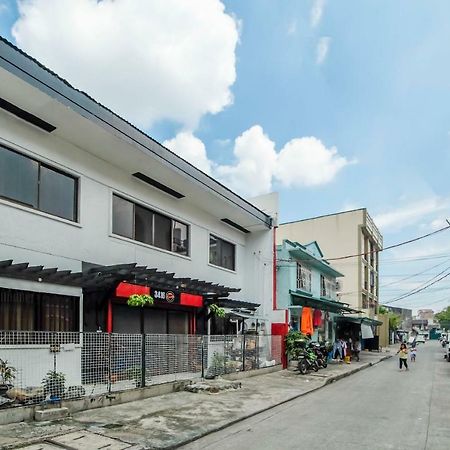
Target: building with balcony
306 280
349 233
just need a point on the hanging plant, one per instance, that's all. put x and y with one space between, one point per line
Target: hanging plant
217 311
140 300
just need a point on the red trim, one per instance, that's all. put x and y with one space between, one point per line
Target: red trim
109 317
274 270
191 300
126 289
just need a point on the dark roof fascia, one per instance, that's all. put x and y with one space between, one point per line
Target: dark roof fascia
37 75
323 215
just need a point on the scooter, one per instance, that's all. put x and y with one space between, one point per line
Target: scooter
318 351
307 361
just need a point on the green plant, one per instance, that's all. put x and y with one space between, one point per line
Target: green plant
295 342
217 310
382 310
54 383
6 372
140 300
217 366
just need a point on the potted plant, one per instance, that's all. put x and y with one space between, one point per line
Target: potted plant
54 384
7 374
140 300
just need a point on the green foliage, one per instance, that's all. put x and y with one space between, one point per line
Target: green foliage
217 310
443 316
140 300
382 310
217 366
6 372
295 342
54 383
394 321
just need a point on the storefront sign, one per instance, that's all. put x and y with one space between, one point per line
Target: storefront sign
163 296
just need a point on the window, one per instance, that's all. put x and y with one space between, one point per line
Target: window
221 253
35 311
303 278
37 185
144 225
327 287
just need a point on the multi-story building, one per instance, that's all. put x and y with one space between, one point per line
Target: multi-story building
306 280
91 207
351 241
405 315
425 314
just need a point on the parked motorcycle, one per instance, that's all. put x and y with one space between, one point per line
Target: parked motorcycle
320 354
307 361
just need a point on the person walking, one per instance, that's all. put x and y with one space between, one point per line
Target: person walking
403 356
413 354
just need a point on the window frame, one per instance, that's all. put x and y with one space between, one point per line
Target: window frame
219 239
154 212
40 164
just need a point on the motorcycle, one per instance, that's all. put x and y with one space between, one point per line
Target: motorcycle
307 361
320 354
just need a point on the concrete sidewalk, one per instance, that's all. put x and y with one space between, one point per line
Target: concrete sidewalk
171 420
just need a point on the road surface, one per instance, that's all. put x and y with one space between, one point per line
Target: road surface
378 408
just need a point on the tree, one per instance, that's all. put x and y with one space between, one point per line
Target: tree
394 321
443 317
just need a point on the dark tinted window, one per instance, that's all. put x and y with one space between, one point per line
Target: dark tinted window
163 232
143 225
180 238
57 193
18 177
29 182
147 226
221 253
123 217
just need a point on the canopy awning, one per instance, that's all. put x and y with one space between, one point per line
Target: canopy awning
232 304
107 277
359 320
299 299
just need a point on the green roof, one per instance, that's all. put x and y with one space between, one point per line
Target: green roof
298 299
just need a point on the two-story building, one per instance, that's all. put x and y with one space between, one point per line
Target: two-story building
306 284
93 209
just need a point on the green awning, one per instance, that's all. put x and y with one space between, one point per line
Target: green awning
299 299
359 320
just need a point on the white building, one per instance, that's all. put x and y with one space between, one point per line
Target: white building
82 190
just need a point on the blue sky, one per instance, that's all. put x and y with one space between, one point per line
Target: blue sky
378 96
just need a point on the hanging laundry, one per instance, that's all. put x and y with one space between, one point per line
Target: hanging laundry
307 321
317 318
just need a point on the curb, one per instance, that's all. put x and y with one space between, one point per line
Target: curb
248 416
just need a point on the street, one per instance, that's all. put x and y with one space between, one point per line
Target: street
381 408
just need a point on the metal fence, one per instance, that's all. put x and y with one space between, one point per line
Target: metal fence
45 365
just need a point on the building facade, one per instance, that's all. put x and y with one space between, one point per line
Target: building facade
345 234
93 210
306 280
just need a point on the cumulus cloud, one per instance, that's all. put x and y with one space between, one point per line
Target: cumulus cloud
148 60
412 213
322 49
255 161
190 148
316 12
301 162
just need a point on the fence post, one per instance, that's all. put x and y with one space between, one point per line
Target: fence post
109 362
257 352
143 365
202 340
243 353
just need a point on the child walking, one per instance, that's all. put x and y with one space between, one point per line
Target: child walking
403 356
413 354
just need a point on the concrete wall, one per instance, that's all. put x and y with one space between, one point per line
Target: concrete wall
38 238
337 235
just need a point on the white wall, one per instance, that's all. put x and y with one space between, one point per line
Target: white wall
31 236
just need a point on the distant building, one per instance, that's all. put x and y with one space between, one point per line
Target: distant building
405 315
341 234
425 314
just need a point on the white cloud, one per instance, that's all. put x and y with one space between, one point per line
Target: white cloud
307 162
412 213
257 164
148 60
255 160
316 12
322 49
192 149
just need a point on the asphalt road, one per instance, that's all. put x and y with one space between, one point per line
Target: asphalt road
378 408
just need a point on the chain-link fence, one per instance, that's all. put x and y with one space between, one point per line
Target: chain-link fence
37 366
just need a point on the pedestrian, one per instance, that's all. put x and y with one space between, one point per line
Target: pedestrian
403 356
356 349
413 354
